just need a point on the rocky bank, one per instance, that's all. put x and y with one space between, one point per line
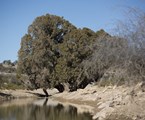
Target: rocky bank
106 103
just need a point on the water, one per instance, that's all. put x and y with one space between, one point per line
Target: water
42 109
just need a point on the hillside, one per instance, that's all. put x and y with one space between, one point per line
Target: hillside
8 76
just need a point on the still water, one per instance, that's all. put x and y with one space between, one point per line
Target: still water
40 109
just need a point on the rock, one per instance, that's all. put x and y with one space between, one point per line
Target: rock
99 98
94 92
103 113
123 103
106 104
111 105
137 117
118 103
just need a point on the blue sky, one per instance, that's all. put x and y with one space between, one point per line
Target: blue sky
17 15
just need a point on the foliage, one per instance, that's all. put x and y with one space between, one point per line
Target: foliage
54 53
7 69
10 82
8 62
120 59
52 50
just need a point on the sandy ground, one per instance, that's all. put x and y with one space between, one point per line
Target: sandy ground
102 102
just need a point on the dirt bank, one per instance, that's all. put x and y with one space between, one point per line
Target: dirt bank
106 103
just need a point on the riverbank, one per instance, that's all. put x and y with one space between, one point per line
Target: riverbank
111 100
106 103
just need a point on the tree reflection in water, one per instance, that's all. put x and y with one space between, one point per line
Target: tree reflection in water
45 112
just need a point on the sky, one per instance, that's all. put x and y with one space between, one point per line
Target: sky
17 15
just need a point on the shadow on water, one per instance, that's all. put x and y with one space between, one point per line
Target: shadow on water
42 112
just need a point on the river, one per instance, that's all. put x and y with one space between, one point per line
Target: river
41 109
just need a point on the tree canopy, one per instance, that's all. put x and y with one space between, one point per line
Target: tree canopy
52 51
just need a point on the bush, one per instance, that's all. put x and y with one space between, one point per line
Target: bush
10 82
125 52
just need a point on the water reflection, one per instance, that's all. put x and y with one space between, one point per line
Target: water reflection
35 111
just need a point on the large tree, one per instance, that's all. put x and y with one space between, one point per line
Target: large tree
52 50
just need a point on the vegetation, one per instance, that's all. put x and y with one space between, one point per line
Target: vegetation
8 77
54 53
7 69
120 59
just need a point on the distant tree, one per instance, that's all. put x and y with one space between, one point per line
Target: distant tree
7 62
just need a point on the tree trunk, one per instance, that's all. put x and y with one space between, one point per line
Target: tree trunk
59 87
45 91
